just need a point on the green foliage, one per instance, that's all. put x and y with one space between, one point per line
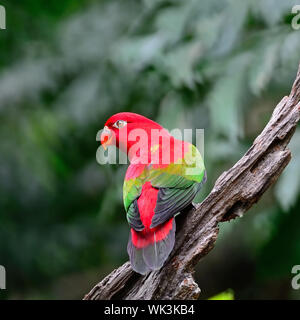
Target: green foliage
226 295
287 190
65 68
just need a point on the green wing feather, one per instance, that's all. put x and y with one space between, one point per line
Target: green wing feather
177 182
178 185
180 174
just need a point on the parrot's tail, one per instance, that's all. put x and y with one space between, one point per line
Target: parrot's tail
149 249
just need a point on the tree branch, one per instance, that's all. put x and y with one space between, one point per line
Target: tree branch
235 191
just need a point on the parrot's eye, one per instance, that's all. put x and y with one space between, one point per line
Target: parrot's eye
120 124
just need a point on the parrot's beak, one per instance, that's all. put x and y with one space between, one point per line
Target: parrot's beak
106 138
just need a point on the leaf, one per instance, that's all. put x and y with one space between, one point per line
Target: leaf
272 11
288 187
178 64
290 48
138 52
225 98
226 295
231 32
171 112
207 29
264 65
171 21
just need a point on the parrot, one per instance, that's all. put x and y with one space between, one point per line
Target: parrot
160 182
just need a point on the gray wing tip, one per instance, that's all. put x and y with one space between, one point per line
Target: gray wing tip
152 257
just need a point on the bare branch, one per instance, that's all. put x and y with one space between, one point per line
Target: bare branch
235 191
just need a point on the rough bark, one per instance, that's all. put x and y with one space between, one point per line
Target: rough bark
235 191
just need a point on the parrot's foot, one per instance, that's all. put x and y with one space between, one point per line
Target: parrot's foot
192 206
195 205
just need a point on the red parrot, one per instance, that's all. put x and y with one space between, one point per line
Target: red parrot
162 179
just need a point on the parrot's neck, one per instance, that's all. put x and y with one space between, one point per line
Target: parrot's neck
149 146
162 151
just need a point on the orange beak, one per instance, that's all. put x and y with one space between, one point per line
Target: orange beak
106 138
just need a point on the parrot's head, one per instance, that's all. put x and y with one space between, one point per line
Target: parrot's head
121 127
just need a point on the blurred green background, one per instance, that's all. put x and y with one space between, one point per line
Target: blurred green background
66 66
